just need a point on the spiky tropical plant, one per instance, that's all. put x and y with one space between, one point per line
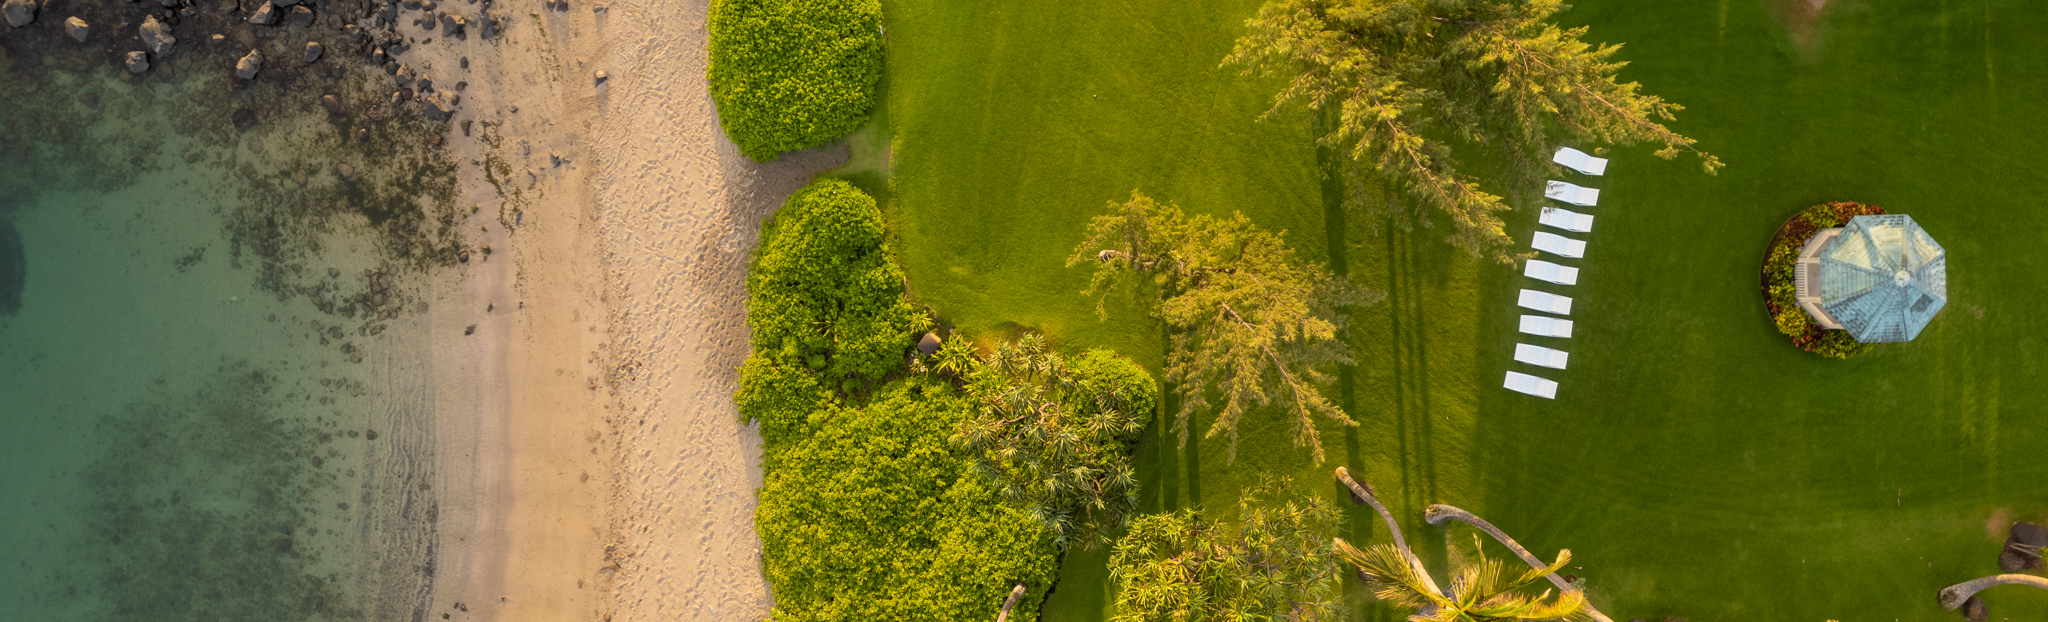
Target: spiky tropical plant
1251 322
1055 434
1477 592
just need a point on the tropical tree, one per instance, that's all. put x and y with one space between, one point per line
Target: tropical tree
1399 85
1276 563
1477 592
1248 318
1054 433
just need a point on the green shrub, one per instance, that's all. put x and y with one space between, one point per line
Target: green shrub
781 397
874 517
824 286
792 74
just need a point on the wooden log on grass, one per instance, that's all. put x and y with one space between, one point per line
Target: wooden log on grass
1953 596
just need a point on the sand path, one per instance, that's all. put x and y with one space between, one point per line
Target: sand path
612 478
681 212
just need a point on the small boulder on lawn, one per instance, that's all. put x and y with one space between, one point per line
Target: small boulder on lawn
301 16
138 62
264 16
19 12
312 51
76 28
247 67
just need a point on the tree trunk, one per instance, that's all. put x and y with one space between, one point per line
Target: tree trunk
1954 595
1438 514
1363 493
1016 594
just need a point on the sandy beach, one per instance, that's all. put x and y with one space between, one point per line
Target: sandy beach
611 477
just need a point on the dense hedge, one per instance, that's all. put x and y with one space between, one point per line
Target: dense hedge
824 293
867 513
1781 265
792 74
874 517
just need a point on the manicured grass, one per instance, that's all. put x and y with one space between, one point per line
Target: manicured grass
1697 464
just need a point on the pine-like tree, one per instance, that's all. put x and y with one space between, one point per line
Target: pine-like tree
1249 319
1276 562
1400 84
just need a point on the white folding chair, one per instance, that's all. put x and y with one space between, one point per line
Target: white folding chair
1546 326
1580 161
1540 356
1544 301
1545 271
1573 194
1559 245
1566 219
1525 383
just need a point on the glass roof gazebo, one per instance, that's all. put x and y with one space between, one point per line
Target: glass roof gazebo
1882 278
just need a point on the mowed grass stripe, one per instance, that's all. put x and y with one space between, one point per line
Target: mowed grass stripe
1696 464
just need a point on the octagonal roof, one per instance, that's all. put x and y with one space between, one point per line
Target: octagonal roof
1883 278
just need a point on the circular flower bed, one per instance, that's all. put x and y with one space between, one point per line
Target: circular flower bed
1780 263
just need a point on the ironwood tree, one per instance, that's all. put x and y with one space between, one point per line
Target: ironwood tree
1276 562
1398 86
1251 323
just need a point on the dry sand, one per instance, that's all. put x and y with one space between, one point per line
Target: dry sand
610 476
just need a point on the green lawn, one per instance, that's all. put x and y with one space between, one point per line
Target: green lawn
1697 465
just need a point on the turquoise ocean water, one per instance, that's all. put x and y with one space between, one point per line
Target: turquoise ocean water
215 398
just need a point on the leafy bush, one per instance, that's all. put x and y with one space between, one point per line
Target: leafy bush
866 512
874 517
1278 562
1781 294
1055 435
782 397
792 74
824 293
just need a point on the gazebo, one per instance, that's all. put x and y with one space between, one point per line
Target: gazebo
1882 278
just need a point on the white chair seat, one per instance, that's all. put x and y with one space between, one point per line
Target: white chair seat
1559 245
1566 219
1545 301
1545 271
1572 193
1580 161
1546 326
1525 383
1541 356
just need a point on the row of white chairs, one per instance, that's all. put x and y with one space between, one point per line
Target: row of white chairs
1561 246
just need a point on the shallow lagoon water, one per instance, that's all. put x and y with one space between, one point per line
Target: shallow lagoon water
215 398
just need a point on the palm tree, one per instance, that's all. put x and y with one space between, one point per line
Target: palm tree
1477 592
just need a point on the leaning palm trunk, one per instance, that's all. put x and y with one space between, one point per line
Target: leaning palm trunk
1016 594
1438 514
1364 493
1953 596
